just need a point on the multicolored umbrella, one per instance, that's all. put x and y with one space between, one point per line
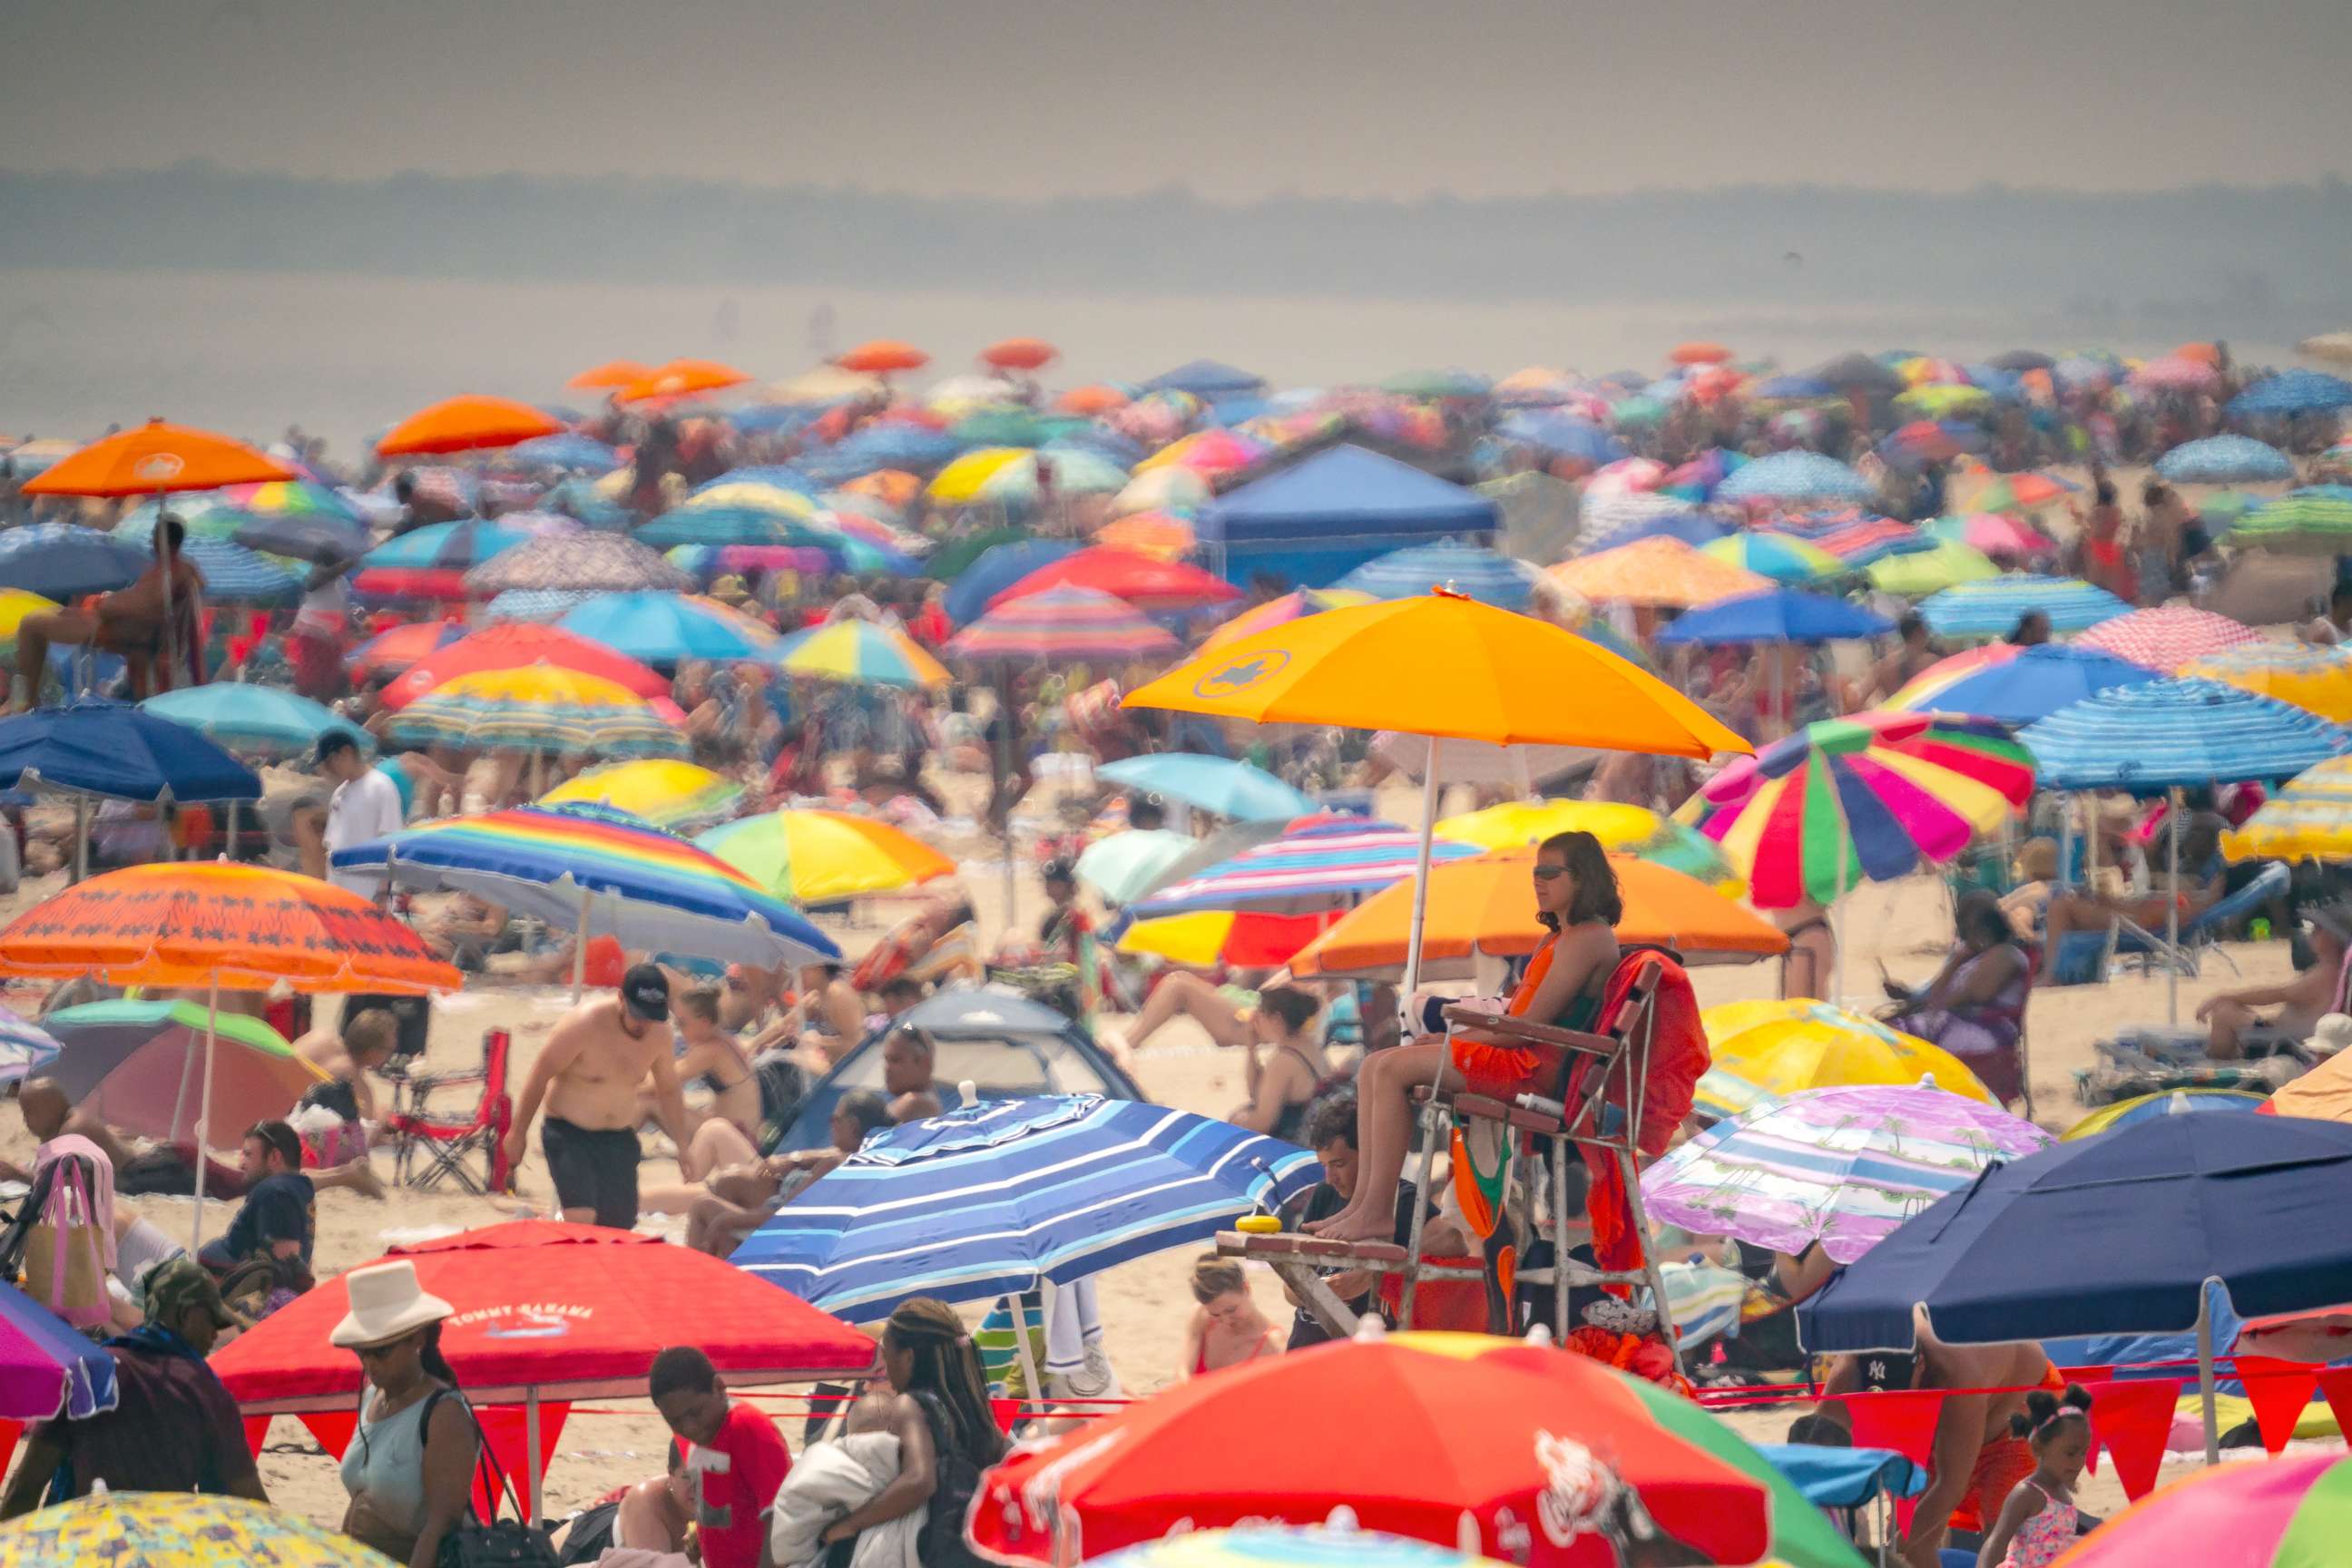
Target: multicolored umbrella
2014 684
2168 637
2290 1512
1768 1050
264 721
1992 608
176 1529
24 1048
1145 581
2170 1103
2173 734
1021 484
537 708
130 1063
48 1368
1320 863
1839 1167
2317 679
2225 461
2313 521
15 605
664 629
1064 626
1853 536
605 563
1779 556
1622 829
1662 573
1795 476
401 646
1916 574
1866 797
2019 492
1995 534
599 872
510 646
2293 829
431 562
861 653
667 793
824 856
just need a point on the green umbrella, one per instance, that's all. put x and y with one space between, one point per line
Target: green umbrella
2316 520
1127 865
1920 572
1803 1535
957 554
999 427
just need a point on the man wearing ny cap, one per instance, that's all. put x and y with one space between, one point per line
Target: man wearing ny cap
173 1427
588 1074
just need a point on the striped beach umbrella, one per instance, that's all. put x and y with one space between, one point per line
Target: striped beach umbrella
819 857
2313 521
860 653
2318 679
2288 1513
2168 637
1063 625
2225 461
1919 573
1795 476
1779 556
1854 537
1320 863
64 560
24 1048
1485 575
2178 734
1991 609
666 792
998 1197
537 708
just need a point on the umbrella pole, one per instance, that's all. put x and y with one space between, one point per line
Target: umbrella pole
580 944
1034 1384
204 1112
1429 791
228 847
2172 917
1004 771
531 1454
2205 1371
82 839
180 1104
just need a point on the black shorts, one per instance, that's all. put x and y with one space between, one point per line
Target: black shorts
594 1169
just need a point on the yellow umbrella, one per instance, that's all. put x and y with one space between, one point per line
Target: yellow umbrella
16 604
665 792
1197 939
176 1530
1631 829
1782 1047
2323 1094
1661 572
2318 679
752 495
1924 571
959 483
819 857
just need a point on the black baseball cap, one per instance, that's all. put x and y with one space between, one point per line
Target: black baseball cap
645 991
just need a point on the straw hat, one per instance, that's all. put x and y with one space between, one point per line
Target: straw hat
386 1302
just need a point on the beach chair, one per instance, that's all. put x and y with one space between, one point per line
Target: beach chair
2130 942
429 1149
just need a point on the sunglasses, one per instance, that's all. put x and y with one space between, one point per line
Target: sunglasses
1546 873
378 1353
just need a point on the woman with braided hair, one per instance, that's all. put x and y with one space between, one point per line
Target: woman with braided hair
947 1434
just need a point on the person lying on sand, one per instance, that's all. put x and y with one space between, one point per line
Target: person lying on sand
142 1167
736 1199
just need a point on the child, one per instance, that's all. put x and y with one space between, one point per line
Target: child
2038 1522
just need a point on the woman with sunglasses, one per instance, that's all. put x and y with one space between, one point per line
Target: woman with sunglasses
410 1467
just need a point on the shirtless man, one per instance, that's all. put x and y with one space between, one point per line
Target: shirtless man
2231 1020
825 1024
132 622
907 1060
166 1168
588 1074
736 1201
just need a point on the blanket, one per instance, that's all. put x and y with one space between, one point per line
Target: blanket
831 1479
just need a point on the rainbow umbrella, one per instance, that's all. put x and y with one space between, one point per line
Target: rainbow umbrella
1854 537
600 872
860 653
1624 829
1064 626
1994 534
538 707
2317 679
1777 556
821 857
1320 863
1869 796
2021 493
1768 1050
2293 1512
2169 1102
668 793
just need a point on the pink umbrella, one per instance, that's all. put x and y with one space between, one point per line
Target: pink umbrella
1626 475
1997 534
2174 374
2170 638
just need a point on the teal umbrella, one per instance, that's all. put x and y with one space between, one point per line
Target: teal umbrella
262 721
1125 864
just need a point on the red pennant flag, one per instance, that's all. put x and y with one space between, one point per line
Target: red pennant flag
331 1428
2279 1391
2336 1385
9 1432
2131 1418
1903 1420
257 1433
503 1428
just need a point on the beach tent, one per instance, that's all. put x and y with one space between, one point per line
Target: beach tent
1212 381
1006 1044
1311 524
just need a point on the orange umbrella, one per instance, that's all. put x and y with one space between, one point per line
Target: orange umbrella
467 423
158 456
1486 906
1657 571
1097 397
1020 354
894 487
1699 354
1155 533
883 355
680 377
612 372
2201 354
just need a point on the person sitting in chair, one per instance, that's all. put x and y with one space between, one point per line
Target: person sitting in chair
152 623
2201 883
1975 1007
2233 1024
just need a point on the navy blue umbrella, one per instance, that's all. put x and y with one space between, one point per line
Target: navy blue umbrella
96 747
1563 436
64 560
996 569
1778 615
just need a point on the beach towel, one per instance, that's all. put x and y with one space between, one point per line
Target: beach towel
830 1481
1679 1055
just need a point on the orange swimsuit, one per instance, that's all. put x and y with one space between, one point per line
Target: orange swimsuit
1504 1072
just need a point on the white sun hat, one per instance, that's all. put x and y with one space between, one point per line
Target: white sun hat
386 1302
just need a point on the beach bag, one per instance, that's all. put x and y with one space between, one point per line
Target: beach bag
590 1536
64 1240
494 1543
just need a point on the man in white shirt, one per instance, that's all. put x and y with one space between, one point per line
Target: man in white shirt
365 804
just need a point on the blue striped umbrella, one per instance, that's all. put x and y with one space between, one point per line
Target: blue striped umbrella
1322 863
2225 461
25 1048
64 560
2294 392
1563 436
1480 574
996 1198
572 449
236 576
1795 477
1991 609
2178 734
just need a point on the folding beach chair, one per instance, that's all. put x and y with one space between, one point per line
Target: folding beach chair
443 1144
2130 942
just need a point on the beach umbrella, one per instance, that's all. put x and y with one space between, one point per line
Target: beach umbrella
2177 734
24 1049
466 424
537 708
1933 441
1634 830
1781 615
154 457
1562 435
824 856
957 484
63 561
2313 521
1064 626
1320 863
2286 1512
176 1530
1777 556
2317 679
1220 785
663 629
1145 581
2293 829
605 563
1994 607
1660 516
117 751
600 873
881 356
1065 471
1485 575
1508 1424
1484 907
2225 461
255 721
1268 1546
980 576
859 653
2169 1103
2327 345
740 521
1207 379
1795 476
2017 684
2019 360
682 378
401 646
1791 389
998 1197
1994 534
48 1368
1281 611
513 648
1920 572
2323 1094
611 374
1946 401
2019 492
15 605
1838 1168
1207 453
1122 865
1662 572
2168 637
1868 797
2292 392
2175 373
1092 400
236 576
319 538
1766 1050
201 517
2222 510
431 562
129 1064
1020 354
1698 353
665 792
1160 533
1162 490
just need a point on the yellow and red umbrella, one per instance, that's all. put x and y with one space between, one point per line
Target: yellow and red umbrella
157 456
464 423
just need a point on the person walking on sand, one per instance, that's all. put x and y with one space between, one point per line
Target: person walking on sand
587 1076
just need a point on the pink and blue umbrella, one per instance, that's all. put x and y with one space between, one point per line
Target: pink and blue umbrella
1319 864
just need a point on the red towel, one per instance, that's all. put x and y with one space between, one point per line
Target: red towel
1679 1055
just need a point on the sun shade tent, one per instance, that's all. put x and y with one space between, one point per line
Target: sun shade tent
1312 524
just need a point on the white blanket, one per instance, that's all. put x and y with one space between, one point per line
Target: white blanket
830 1481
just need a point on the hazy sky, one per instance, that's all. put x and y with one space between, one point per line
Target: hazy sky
1356 98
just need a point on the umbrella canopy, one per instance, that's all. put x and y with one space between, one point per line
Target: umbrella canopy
1485 907
600 873
822 857
123 1062
319 538
176 1529
202 924
1777 556
979 575
511 647
61 561
1062 626
464 423
2125 1230
1628 830
1319 862
2313 521
1510 1424
1768 1050
15 605
2168 637
880 356
1660 570
2225 461
537 708
1216 784
1020 354
1783 616
47 1368
24 1049
2290 1512
664 629
454 547
1795 476
1993 607
155 457
401 646
1122 865
2316 679
613 372
1837 1167
2178 734
2170 1103
1994 534
665 792
997 1197
1280 611
567 1312
255 721
1146 582
1481 574
1919 573
1870 797
2017 684
859 653
605 563
94 747
682 378
2294 392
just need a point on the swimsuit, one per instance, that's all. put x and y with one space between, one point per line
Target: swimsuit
594 1168
2045 1537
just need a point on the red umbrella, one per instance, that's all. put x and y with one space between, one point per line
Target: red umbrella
1147 582
1524 1445
881 356
1701 352
403 646
513 645
1020 354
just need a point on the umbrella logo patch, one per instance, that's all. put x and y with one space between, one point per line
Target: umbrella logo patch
537 1321
1241 674
157 466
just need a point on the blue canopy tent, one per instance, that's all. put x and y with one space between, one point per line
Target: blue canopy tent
1310 525
1212 381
